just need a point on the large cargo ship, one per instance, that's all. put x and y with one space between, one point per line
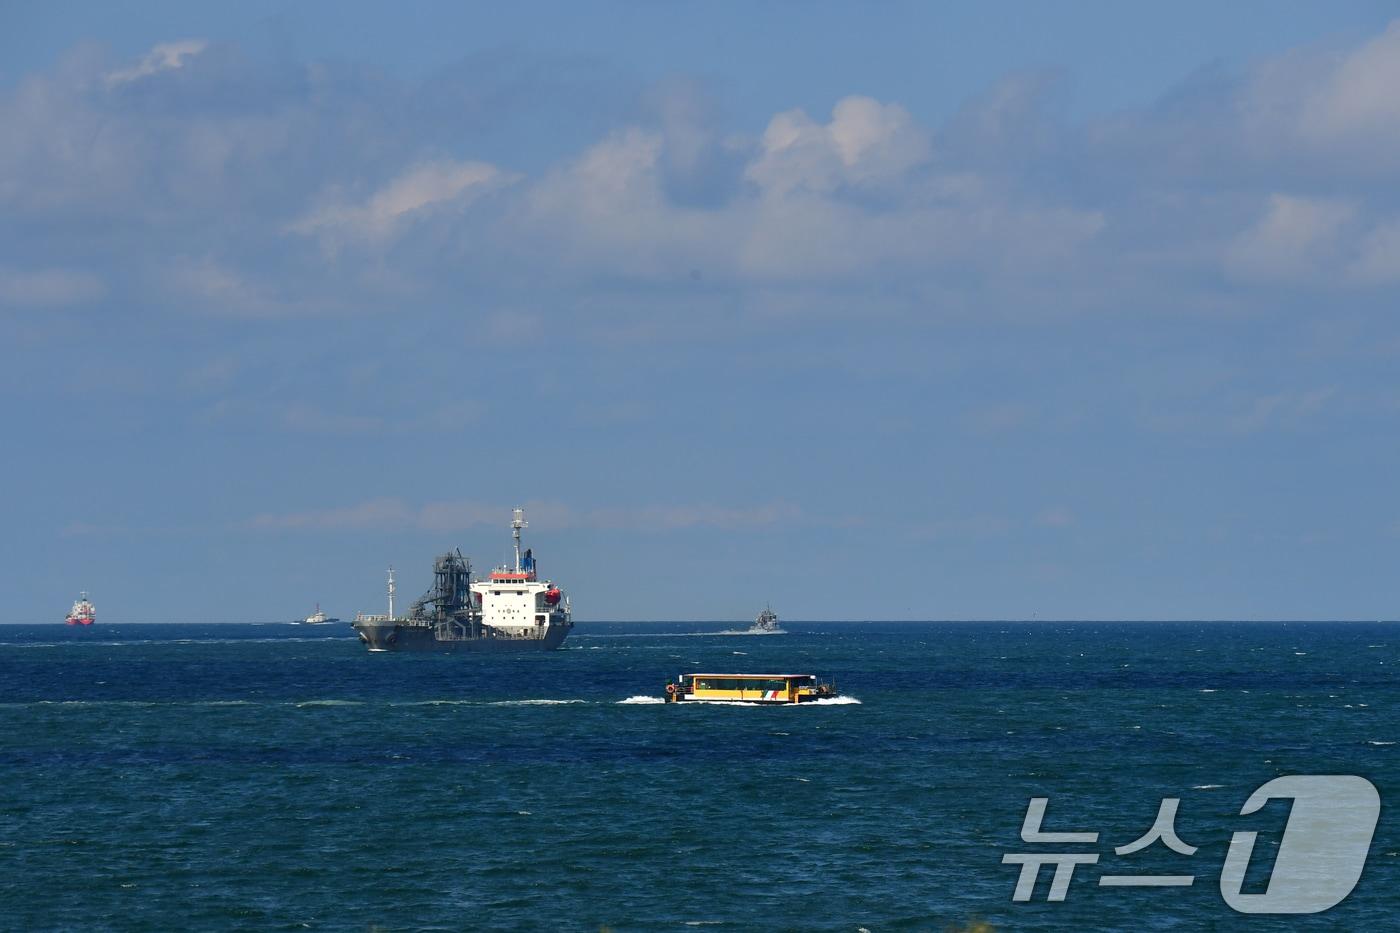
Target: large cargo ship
512 610
82 612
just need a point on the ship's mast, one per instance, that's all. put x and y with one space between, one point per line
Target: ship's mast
518 522
391 592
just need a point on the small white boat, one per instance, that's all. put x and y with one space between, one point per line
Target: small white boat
317 618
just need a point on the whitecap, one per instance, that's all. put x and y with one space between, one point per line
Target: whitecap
1376 742
534 702
1208 690
438 703
1206 786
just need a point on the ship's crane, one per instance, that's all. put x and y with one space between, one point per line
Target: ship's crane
450 596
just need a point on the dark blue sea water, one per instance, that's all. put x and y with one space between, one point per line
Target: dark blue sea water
279 777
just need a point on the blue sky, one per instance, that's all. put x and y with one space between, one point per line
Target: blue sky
889 311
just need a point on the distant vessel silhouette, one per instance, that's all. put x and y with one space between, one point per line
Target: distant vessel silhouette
766 623
317 618
82 612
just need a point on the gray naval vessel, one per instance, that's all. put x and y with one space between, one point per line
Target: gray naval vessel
511 610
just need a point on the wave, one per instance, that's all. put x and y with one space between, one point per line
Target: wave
832 701
533 702
641 699
438 703
1377 742
1206 786
330 703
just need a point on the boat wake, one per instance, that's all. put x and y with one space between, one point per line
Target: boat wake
641 699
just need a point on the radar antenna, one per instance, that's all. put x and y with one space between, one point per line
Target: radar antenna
518 522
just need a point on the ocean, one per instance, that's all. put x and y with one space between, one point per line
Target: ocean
279 777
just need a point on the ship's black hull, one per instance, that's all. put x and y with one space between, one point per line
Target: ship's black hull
396 636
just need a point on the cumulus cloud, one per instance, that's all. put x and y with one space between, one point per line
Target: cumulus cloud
1357 100
825 202
865 142
251 201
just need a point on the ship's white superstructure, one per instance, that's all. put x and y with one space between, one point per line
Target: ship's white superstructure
318 617
514 601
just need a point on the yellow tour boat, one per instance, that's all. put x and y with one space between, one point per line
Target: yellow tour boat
748 688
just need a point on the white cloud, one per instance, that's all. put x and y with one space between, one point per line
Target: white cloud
47 288
1243 413
866 142
1282 409
826 202
1056 516
607 212
377 513
207 285
1294 239
459 515
1378 262
303 418
1011 211
432 185
163 57
1360 98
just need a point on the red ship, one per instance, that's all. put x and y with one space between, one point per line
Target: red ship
82 612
